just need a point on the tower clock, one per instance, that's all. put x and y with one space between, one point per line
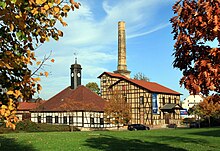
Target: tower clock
75 75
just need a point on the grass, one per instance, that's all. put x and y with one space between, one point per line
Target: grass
204 139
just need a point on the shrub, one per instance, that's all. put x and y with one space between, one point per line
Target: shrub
55 128
27 126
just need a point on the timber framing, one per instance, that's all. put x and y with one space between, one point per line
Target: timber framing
141 96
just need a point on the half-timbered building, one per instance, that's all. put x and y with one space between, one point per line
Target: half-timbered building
151 103
76 105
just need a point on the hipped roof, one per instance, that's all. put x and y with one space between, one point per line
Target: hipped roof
79 99
27 106
150 86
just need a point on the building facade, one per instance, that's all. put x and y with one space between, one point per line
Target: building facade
151 103
190 102
75 106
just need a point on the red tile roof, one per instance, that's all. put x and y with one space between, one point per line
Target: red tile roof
79 99
154 87
117 75
151 86
27 106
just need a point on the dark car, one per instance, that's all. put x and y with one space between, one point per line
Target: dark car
138 127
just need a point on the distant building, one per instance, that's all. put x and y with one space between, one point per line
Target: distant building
24 108
191 101
75 105
151 103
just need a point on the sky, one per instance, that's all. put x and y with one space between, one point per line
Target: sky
92 37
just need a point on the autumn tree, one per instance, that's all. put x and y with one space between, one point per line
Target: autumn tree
93 86
117 110
141 76
209 107
196 26
24 25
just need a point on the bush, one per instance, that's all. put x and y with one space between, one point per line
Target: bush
55 128
27 126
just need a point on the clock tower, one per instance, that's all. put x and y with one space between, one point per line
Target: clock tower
75 75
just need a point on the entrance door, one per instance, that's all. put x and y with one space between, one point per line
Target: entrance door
167 118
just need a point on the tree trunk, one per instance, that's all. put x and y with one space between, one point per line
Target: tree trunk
209 121
118 127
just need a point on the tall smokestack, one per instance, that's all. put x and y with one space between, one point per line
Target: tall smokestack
122 66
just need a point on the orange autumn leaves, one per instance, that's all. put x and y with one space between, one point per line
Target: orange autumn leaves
25 25
195 26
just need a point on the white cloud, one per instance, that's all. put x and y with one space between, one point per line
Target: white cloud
96 41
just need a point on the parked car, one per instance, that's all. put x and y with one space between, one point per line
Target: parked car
194 125
135 127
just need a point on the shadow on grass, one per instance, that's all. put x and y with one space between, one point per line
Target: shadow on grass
176 139
10 144
109 143
213 133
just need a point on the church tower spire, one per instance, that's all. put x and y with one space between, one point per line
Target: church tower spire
75 75
122 66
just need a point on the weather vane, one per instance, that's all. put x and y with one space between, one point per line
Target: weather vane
75 56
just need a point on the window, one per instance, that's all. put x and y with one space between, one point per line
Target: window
108 120
64 120
48 119
56 119
141 100
101 121
175 100
163 100
169 100
92 120
39 119
104 80
71 120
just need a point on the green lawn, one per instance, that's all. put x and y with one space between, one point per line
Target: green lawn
204 139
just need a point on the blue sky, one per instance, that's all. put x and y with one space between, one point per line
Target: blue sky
92 34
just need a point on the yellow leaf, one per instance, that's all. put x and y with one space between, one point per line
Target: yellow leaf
11 27
36 79
46 7
17 93
39 2
38 63
60 33
7 113
66 8
50 4
64 23
13 126
34 11
17 16
57 1
10 92
8 66
47 38
4 107
2 112
11 108
56 9
46 74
